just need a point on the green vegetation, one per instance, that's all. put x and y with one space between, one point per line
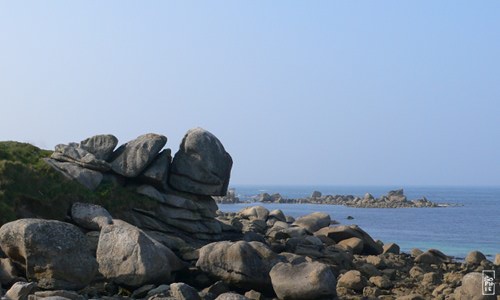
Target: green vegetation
31 188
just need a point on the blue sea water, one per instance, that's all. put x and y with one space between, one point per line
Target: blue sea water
475 225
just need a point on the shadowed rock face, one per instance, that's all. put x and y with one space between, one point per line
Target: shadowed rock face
202 165
131 158
242 264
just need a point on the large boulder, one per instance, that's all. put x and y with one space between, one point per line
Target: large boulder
86 177
202 165
314 221
128 256
472 284
307 280
131 158
53 253
242 264
343 232
101 146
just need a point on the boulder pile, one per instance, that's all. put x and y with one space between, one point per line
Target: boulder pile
182 186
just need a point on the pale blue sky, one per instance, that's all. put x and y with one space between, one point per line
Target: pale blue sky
299 92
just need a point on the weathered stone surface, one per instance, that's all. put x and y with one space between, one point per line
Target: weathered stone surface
128 256
20 290
182 291
278 215
342 232
157 172
59 293
86 177
432 256
8 272
391 248
90 216
355 244
53 253
381 282
254 213
101 146
202 165
314 221
231 296
497 260
472 288
352 280
306 280
74 154
475 258
242 264
131 158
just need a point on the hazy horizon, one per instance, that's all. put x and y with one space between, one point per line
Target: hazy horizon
299 93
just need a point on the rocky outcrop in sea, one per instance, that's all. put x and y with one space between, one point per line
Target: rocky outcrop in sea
90 222
393 199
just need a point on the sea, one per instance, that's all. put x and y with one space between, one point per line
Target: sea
472 222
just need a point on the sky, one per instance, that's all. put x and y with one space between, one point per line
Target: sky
298 92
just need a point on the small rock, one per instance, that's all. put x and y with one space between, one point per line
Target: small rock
391 248
217 288
161 290
411 297
254 295
474 258
303 281
369 291
90 216
254 213
432 257
20 290
431 278
142 291
497 260
8 272
377 261
355 244
59 293
352 280
182 291
231 296
415 252
416 272
381 282
314 221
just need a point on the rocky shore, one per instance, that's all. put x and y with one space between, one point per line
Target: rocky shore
87 221
393 199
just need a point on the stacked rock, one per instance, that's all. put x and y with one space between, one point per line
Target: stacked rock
182 187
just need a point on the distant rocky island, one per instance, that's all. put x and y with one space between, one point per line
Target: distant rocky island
88 221
393 199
